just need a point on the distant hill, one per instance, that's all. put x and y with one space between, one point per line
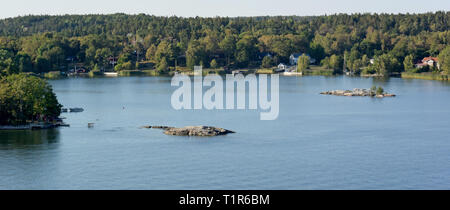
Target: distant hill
122 24
123 42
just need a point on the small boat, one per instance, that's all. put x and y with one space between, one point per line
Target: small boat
291 73
111 74
72 109
76 109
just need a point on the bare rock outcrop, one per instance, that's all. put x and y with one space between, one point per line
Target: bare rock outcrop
357 92
192 130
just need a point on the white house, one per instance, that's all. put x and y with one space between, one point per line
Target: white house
282 66
293 59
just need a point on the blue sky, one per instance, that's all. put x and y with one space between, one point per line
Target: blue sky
208 8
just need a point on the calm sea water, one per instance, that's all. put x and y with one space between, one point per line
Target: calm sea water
318 142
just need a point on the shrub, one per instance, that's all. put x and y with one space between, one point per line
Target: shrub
380 90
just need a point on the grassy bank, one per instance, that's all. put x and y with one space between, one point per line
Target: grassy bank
318 71
264 71
153 72
205 71
53 75
426 75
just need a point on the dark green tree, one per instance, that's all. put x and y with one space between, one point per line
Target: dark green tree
302 63
214 64
25 98
444 60
267 62
408 64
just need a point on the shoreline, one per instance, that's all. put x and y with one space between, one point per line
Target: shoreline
426 76
309 72
32 126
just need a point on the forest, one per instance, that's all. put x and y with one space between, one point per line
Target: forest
380 44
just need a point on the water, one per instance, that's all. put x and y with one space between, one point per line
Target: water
318 141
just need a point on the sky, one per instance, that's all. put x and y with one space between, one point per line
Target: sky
211 8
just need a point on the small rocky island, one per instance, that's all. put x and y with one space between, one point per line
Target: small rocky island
373 92
192 130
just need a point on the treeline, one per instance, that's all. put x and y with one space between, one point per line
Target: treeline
45 43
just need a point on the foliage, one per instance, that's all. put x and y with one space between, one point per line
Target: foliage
24 98
267 62
302 63
195 54
380 91
333 62
7 63
385 64
125 62
444 59
48 43
163 65
373 89
408 64
53 75
214 64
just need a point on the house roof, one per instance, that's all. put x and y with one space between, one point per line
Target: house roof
426 59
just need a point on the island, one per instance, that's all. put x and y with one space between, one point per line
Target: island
192 130
27 102
373 92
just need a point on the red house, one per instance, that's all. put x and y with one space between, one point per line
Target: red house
429 61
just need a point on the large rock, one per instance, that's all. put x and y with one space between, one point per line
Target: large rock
357 92
192 130
197 131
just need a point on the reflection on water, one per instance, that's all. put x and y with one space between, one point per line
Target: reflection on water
17 139
318 142
382 80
